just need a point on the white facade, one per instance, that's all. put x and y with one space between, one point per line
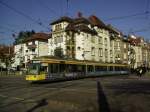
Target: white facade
19 55
138 56
58 39
85 46
25 52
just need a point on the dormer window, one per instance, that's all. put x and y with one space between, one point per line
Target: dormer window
58 27
33 42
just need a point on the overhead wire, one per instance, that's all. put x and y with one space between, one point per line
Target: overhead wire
23 14
47 7
128 16
9 29
146 12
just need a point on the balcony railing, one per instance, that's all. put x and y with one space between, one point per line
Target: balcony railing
32 46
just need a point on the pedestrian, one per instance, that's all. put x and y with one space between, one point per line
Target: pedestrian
139 71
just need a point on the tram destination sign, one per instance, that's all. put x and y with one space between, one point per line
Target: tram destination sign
36 62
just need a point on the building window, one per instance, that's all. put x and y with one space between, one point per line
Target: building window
105 41
61 40
111 54
118 57
68 48
100 40
58 27
93 39
51 42
106 53
125 56
100 52
111 43
125 45
55 40
51 52
92 51
33 50
118 44
33 42
79 48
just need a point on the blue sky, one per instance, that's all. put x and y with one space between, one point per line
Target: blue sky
45 11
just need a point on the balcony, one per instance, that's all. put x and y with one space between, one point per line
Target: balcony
70 42
32 46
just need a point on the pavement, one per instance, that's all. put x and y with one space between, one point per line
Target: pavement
128 93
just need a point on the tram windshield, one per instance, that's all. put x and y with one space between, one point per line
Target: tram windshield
37 69
34 68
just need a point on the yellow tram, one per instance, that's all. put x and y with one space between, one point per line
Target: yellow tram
45 68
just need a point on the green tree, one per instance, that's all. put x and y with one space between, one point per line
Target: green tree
6 54
22 36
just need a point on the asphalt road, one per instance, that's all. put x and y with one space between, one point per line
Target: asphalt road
105 94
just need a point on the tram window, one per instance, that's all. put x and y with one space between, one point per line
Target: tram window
79 68
43 69
104 68
97 68
116 68
54 68
90 68
111 68
108 68
61 67
121 68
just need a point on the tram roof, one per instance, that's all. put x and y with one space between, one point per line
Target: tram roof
49 59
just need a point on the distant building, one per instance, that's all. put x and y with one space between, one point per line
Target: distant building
140 49
6 55
34 46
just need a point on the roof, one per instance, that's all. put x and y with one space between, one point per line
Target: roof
81 27
95 21
81 20
38 36
112 29
64 18
134 41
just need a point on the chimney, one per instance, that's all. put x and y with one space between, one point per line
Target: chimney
79 14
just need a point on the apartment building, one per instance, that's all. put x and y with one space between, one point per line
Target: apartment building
140 49
119 44
81 38
34 46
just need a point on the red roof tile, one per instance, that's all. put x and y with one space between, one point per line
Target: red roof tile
38 36
96 21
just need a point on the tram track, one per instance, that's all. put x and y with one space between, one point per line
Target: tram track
33 92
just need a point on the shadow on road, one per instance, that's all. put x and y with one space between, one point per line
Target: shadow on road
41 103
102 100
134 87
